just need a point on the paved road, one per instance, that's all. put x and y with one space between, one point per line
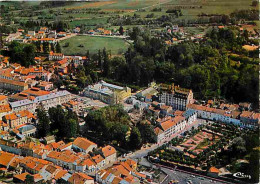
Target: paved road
109 36
182 176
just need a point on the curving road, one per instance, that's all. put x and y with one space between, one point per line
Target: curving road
182 176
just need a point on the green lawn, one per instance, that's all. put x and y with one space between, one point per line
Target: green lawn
93 44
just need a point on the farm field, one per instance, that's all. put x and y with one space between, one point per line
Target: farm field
93 44
208 6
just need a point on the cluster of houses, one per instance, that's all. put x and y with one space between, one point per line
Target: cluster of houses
63 162
99 31
18 114
122 172
15 77
44 34
175 109
173 122
81 155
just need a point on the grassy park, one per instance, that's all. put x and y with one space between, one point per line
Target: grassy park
80 45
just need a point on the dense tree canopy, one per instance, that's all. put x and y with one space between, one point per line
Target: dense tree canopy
112 124
64 124
43 127
22 53
216 67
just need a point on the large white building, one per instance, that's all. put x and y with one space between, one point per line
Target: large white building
108 93
176 97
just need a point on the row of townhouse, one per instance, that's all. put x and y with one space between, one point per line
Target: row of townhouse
15 70
40 170
63 155
46 101
169 126
13 85
243 119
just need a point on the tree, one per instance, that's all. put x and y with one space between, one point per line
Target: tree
254 3
82 79
147 132
22 53
2 10
1 40
73 128
135 138
38 46
100 60
88 54
58 48
64 124
238 146
43 127
29 51
46 48
106 71
121 30
52 47
58 119
109 123
29 179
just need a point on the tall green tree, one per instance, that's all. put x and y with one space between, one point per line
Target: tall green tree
147 132
121 30
22 53
29 51
43 127
135 138
46 48
52 47
29 179
58 47
73 128
106 62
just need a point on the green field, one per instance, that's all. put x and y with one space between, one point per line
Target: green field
208 6
93 44
89 21
75 15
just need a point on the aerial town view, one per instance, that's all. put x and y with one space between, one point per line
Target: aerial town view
129 92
